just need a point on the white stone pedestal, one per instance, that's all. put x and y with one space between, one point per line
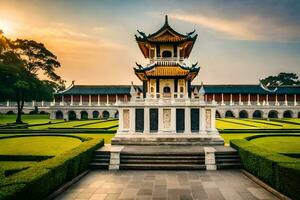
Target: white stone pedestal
114 163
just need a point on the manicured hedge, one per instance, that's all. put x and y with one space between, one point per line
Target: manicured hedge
42 179
279 171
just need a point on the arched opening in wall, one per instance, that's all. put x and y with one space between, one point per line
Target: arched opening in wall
117 115
287 114
10 112
72 115
105 114
167 91
257 114
229 114
95 114
298 114
273 114
59 115
83 115
218 115
167 54
243 114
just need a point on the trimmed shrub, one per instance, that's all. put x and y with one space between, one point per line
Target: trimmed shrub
42 179
279 171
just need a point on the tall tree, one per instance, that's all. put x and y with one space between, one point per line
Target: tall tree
20 63
281 79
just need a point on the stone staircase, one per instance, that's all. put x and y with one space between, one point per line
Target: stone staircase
228 160
162 161
100 160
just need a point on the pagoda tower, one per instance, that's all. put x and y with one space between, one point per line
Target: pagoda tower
165 110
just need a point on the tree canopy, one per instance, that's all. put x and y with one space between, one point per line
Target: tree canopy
281 79
20 63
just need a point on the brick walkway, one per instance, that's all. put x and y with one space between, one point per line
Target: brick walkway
173 185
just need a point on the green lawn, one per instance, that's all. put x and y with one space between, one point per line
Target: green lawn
30 119
227 137
68 124
37 145
280 144
102 124
231 124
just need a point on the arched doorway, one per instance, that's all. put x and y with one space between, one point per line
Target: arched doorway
243 114
72 115
298 114
105 114
218 115
83 115
229 114
273 114
257 114
95 114
117 115
167 54
287 114
10 112
59 115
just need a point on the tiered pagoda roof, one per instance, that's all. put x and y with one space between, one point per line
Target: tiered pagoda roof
170 71
166 34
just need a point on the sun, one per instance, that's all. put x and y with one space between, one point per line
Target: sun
6 26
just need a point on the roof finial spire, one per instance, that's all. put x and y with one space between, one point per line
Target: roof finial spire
166 20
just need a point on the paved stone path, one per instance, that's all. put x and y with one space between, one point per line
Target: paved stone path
173 185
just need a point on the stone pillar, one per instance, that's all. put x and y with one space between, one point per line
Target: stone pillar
210 160
146 120
231 102
7 103
90 100
62 100
114 163
71 100
202 121
267 99
213 119
295 100
258 103
249 100
214 98
160 120
132 120
276 101
285 100
107 100
80 100
222 101
116 98
240 99
173 120
33 103
187 120
42 103
98 100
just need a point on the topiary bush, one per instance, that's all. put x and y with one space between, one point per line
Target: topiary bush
279 171
42 179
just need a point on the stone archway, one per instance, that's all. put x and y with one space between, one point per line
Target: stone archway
72 115
218 115
83 115
273 114
229 114
117 115
243 114
287 114
257 114
95 114
105 114
59 114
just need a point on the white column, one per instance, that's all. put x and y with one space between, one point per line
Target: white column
295 100
173 120
42 103
214 98
146 120
33 103
222 101
80 100
160 120
249 100
258 100
7 103
285 100
267 99
62 100
54 101
71 100
231 103
132 120
98 100
107 100
90 100
116 98
240 99
178 54
276 100
202 121
187 120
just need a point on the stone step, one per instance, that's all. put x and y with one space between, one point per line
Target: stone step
146 157
227 156
93 165
162 167
228 160
165 161
96 160
102 156
237 165
124 153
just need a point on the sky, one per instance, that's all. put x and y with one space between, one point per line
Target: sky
238 42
